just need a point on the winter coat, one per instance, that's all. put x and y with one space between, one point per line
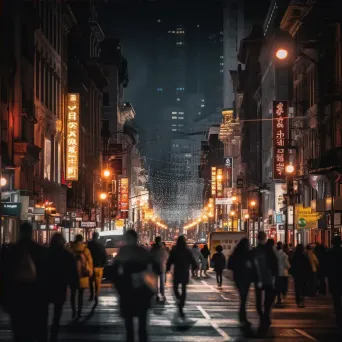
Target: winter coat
161 255
131 262
243 268
283 263
301 268
313 260
181 259
334 269
196 253
62 273
79 247
98 253
219 262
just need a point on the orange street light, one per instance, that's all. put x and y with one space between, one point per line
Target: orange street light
282 54
289 169
103 196
219 177
3 181
232 213
234 198
246 216
106 173
253 203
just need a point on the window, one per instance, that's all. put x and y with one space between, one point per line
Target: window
181 117
174 125
178 99
221 70
202 105
47 159
181 113
159 89
221 57
174 118
174 130
106 99
174 112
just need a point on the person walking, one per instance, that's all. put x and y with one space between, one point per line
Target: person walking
62 272
219 264
266 266
133 274
321 253
24 287
312 282
160 254
196 253
282 280
182 259
334 275
99 256
205 259
301 271
240 263
84 263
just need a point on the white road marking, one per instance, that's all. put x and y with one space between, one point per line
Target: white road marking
211 287
225 336
305 334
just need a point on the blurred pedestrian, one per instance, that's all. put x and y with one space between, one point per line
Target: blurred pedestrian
196 253
321 254
205 259
99 256
62 272
240 263
160 254
334 275
182 259
283 275
219 264
301 271
312 282
266 266
24 287
134 275
84 263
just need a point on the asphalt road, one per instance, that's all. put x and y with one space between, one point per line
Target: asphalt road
211 314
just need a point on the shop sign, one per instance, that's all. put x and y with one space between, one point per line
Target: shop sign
213 181
88 224
280 138
123 194
224 201
280 191
10 209
72 137
57 220
228 164
306 217
219 183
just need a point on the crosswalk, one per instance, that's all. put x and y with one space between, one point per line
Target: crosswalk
211 317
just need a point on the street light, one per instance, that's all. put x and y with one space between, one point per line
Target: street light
282 54
234 198
253 203
3 181
289 169
106 173
103 196
246 216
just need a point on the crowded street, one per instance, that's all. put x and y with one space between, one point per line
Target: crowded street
211 317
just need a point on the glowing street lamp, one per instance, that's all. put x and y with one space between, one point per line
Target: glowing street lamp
289 169
3 181
246 216
253 203
106 173
282 54
234 198
219 177
232 213
103 196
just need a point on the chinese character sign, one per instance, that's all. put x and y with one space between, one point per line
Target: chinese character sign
219 183
280 138
228 163
72 137
123 194
213 181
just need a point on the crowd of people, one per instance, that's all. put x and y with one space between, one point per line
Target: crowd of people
33 276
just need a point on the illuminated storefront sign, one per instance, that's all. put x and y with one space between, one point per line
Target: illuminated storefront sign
280 138
213 181
123 194
228 163
219 183
72 136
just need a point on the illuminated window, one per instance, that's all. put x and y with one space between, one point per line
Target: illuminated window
178 99
202 105
174 130
174 118
221 57
221 70
159 89
174 125
221 63
47 159
174 112
202 100
181 113
181 118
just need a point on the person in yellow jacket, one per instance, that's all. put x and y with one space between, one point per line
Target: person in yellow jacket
314 266
85 270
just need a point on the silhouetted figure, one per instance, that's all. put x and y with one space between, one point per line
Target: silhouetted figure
312 282
205 257
240 262
321 254
133 274
301 271
282 280
62 273
219 264
84 263
99 256
266 266
182 259
334 274
23 276
196 253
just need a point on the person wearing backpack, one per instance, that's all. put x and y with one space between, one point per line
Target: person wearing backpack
24 287
85 268
218 262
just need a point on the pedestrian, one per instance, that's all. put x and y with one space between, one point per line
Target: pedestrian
312 282
266 266
240 263
301 271
84 263
62 272
99 256
196 253
205 257
282 280
160 254
321 253
133 273
24 287
219 264
334 275
288 251
182 259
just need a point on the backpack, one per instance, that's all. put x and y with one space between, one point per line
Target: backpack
24 270
82 264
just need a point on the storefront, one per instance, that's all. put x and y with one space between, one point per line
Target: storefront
10 221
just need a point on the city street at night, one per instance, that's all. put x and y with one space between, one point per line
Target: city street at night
211 315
